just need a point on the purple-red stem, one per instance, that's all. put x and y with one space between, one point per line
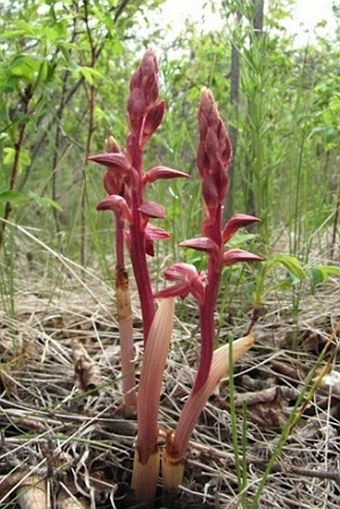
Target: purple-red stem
207 324
207 309
138 255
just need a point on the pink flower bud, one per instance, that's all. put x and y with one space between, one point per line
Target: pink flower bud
152 209
113 183
116 204
154 118
144 92
214 152
187 274
180 271
136 109
156 233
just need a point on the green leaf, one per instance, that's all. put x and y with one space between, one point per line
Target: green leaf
9 155
89 73
292 264
116 48
321 274
24 66
12 196
241 238
24 158
44 201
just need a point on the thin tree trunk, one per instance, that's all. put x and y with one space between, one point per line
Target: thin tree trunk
258 32
58 133
90 131
235 101
25 101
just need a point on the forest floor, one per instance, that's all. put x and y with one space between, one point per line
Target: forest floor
64 433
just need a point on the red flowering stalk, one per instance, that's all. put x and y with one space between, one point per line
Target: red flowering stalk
146 112
213 159
126 182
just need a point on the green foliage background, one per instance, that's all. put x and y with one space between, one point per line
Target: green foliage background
53 55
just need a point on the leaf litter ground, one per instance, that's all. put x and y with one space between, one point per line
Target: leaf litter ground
62 428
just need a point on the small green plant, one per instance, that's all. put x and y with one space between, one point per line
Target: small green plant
125 182
296 273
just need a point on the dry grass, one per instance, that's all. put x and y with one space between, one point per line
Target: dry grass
79 442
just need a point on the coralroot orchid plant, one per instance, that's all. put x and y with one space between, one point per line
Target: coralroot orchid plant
125 182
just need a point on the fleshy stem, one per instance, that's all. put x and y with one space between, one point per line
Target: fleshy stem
137 253
123 301
207 309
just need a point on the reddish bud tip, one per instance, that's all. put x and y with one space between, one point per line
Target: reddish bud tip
214 151
111 145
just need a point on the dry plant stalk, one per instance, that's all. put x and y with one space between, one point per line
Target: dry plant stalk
125 323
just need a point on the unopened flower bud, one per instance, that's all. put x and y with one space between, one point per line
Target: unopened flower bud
214 152
136 107
153 120
111 145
